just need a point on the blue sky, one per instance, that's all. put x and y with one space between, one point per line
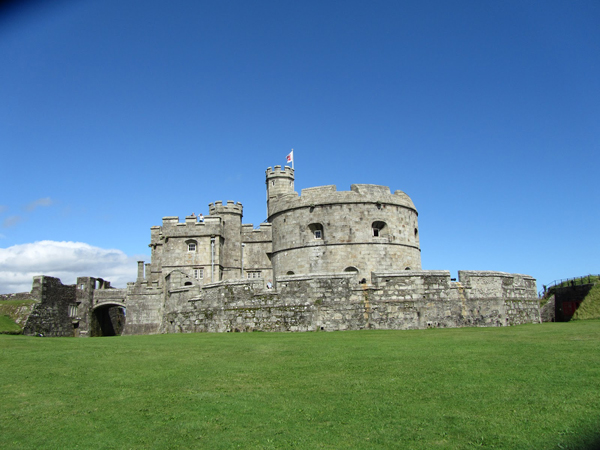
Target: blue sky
114 114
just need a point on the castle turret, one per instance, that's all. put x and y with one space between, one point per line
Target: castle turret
279 182
231 256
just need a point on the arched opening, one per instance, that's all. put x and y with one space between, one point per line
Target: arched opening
379 228
317 230
407 268
107 320
351 269
290 272
187 283
192 245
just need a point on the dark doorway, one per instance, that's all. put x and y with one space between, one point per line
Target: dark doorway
108 320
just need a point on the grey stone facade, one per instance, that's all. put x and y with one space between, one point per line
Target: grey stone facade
326 260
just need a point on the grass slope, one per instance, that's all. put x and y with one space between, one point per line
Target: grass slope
8 326
590 307
17 310
526 387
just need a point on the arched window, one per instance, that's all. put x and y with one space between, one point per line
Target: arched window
379 228
407 268
192 245
416 233
187 283
290 272
316 230
351 269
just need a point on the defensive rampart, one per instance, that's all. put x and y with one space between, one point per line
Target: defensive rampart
328 302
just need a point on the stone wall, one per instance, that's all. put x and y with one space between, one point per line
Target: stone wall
144 312
50 317
548 311
257 248
328 302
347 240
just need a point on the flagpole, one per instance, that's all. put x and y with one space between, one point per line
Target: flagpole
292 159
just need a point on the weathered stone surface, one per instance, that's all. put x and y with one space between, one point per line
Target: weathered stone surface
327 260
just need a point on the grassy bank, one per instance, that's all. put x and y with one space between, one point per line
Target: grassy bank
8 326
526 387
15 313
590 307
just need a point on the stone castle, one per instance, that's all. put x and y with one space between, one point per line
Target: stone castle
325 260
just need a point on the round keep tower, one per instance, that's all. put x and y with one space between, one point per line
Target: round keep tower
367 229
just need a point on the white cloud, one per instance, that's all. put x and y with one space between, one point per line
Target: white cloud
46 201
65 260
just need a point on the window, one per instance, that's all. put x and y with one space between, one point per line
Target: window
317 230
199 273
378 228
254 274
73 311
351 269
290 272
191 247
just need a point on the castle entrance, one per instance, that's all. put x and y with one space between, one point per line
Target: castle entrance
107 320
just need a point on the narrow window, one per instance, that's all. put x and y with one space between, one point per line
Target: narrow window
199 273
191 247
317 230
378 228
72 311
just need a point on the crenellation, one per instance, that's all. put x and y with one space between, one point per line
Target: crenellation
325 260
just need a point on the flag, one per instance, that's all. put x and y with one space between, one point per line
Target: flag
290 157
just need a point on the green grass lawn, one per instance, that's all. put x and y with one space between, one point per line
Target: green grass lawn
525 387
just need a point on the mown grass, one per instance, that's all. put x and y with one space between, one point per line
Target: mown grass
590 307
526 387
8 326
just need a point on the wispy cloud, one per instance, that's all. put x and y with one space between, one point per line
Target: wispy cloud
45 201
11 221
65 260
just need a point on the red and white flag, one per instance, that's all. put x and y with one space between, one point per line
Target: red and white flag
290 157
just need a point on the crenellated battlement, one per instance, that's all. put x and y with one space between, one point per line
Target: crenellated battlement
278 172
329 195
248 230
230 207
325 260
